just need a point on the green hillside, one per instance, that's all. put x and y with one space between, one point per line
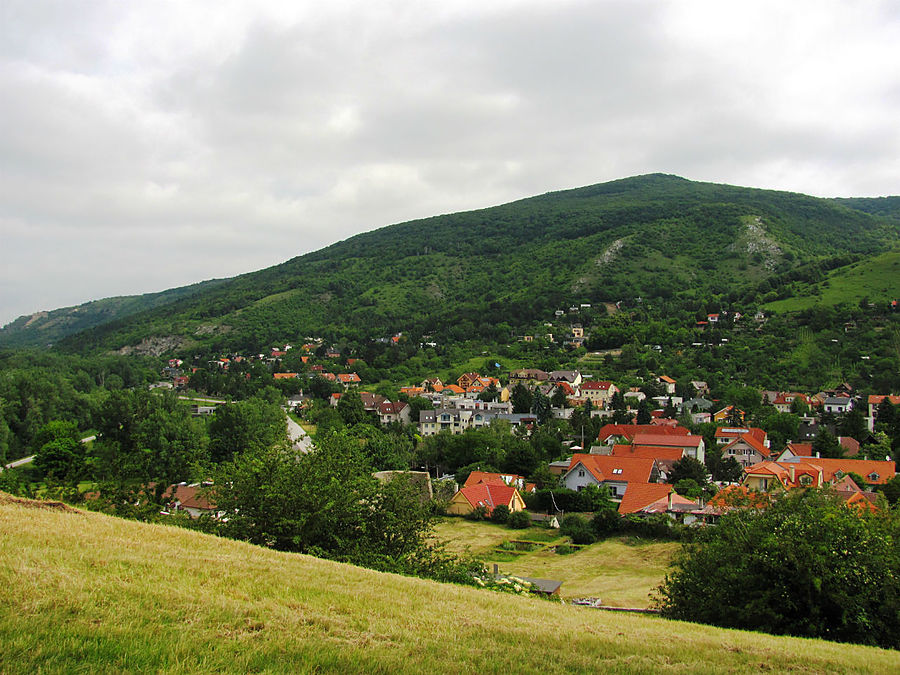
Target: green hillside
491 272
875 279
47 327
85 592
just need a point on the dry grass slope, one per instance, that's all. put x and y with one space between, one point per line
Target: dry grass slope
89 593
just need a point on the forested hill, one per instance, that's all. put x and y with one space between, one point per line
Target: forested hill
494 272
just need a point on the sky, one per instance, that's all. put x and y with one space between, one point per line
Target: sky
149 145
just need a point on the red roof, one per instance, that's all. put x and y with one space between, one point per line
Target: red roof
647 452
668 440
752 441
477 477
596 385
735 432
639 495
667 379
619 469
629 431
488 495
800 449
885 470
875 399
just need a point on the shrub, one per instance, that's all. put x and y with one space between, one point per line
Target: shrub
565 549
606 523
578 529
500 514
519 520
806 566
478 513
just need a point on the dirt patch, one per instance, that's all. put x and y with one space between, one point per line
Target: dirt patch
35 503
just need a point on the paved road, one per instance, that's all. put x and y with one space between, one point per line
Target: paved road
298 436
19 462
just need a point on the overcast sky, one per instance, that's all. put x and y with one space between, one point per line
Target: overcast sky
148 145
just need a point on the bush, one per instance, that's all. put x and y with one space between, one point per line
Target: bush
807 566
478 513
519 520
606 523
500 514
578 529
565 549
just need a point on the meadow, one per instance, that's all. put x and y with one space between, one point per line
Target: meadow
84 592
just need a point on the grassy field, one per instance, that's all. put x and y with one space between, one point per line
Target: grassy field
84 592
621 571
877 278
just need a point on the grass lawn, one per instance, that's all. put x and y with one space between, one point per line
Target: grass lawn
622 571
85 592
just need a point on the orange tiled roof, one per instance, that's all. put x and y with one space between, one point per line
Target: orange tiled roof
620 469
488 495
647 452
639 495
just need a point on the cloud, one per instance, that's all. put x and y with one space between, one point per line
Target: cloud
150 145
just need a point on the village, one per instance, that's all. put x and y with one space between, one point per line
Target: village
647 442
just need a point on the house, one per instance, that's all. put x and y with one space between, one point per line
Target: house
519 482
388 412
747 450
668 383
573 377
793 449
466 380
691 446
783 402
814 472
665 457
725 414
613 472
371 402
611 434
838 405
488 495
641 495
285 376
189 499
599 393
527 376
700 387
724 435
874 401
432 422
874 472
348 379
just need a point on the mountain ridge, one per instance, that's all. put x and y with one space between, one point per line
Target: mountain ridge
661 236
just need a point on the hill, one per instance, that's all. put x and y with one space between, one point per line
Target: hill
47 327
91 592
874 278
492 272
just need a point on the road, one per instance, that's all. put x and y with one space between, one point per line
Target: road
30 458
298 436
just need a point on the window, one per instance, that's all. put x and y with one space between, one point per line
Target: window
873 477
581 473
617 471
805 480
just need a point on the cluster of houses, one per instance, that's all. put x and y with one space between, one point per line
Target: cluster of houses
633 462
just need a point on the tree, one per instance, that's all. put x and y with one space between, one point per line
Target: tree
829 573
643 413
61 460
576 527
540 406
728 470
237 426
559 398
351 409
827 445
521 398
853 424
688 468
500 514
327 503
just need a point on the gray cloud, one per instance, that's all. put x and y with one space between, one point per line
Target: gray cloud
145 145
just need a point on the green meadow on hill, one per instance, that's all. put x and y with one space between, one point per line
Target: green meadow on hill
84 592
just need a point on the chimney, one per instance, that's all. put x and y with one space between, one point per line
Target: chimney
669 504
817 454
792 472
